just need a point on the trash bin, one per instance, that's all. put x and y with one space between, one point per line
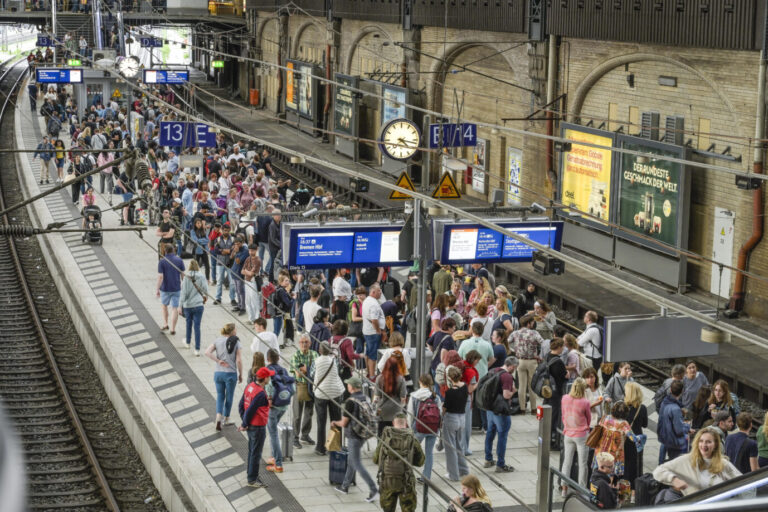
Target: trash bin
254 96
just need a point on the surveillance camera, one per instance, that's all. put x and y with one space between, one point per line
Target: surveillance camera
309 213
536 207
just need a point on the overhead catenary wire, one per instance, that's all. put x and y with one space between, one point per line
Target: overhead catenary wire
718 323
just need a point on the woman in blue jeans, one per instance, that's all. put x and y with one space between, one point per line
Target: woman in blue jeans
194 293
226 353
425 392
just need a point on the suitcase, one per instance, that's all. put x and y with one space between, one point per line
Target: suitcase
285 434
337 467
646 490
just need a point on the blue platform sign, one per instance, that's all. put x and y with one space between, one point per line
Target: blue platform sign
45 41
473 243
348 247
151 42
454 135
165 76
59 76
188 135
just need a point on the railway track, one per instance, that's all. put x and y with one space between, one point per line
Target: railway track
76 452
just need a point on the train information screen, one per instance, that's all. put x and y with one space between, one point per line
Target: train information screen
473 243
315 247
165 76
59 76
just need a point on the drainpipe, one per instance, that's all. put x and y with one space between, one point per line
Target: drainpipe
739 287
327 107
551 84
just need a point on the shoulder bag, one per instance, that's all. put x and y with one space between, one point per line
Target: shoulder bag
311 387
204 296
593 440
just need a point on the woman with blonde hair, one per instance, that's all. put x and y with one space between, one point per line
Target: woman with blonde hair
226 351
473 497
576 419
638 420
481 286
703 467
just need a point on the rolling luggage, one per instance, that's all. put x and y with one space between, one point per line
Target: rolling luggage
285 434
338 467
646 490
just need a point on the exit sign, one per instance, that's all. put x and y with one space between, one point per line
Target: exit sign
217 64
74 62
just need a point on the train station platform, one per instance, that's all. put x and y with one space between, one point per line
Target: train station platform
109 290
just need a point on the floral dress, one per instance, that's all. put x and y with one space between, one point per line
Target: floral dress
612 441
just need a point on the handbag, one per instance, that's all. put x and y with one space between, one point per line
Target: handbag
333 443
311 387
593 440
302 392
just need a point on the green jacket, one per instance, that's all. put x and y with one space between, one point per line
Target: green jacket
394 474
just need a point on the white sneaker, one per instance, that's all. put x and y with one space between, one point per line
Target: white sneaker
187 346
197 353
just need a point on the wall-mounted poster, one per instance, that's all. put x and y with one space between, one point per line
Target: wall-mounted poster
586 174
514 167
344 105
305 90
651 200
393 106
290 87
479 160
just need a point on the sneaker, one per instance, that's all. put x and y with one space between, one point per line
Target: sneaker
308 440
297 444
320 452
258 484
341 489
216 302
41 182
48 182
489 464
197 353
275 469
271 461
504 469
218 426
439 446
372 497
187 346
233 303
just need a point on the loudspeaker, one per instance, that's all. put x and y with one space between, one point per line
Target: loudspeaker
497 197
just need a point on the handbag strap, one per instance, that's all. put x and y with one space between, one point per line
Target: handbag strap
205 298
637 412
330 367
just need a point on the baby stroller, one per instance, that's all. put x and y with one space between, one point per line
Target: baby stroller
92 216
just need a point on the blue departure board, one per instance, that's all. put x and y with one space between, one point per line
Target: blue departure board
333 247
59 75
470 243
165 76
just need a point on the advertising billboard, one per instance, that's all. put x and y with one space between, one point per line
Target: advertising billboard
305 92
393 104
290 86
652 199
514 168
473 243
585 176
344 105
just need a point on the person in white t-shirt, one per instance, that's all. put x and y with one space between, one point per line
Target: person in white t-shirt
263 341
374 327
310 308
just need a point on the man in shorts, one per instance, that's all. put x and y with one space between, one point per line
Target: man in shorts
170 270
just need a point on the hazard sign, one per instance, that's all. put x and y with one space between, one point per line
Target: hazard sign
116 94
404 181
446 189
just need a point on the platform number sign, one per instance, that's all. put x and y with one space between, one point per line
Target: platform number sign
453 135
45 41
176 133
151 42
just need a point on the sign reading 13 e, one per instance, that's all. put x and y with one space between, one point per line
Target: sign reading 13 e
188 135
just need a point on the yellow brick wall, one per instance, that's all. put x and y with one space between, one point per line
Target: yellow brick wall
374 51
716 91
307 38
269 51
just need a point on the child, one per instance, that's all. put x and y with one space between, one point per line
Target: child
600 484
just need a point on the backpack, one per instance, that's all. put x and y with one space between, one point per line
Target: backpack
440 374
646 489
365 427
487 390
267 294
284 387
394 472
428 416
339 310
542 383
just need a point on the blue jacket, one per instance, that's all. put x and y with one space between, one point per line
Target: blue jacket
44 150
672 431
201 242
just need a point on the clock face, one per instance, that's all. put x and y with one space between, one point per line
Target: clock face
129 66
400 139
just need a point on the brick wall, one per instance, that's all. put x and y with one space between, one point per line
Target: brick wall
715 92
269 43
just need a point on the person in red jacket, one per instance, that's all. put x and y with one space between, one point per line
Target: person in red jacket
254 410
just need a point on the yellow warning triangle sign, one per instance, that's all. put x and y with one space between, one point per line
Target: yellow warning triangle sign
117 94
446 188
722 231
404 181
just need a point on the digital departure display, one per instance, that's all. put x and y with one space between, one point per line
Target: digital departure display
470 243
343 247
165 76
59 76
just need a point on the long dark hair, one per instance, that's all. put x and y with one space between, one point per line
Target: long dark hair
389 376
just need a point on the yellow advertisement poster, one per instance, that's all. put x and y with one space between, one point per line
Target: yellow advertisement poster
586 174
290 87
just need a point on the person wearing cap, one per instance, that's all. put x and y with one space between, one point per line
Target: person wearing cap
354 442
254 410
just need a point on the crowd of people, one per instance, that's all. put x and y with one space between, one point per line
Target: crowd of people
491 353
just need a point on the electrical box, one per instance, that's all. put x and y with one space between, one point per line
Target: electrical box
545 264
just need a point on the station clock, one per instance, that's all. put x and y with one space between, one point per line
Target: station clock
400 139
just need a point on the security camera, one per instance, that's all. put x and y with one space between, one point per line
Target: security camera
536 207
309 213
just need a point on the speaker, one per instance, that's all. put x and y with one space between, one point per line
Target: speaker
497 197
545 264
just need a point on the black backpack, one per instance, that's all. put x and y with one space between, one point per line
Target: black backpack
488 389
646 489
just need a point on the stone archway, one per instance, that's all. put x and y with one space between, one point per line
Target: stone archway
362 34
305 29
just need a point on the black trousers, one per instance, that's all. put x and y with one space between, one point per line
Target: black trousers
75 187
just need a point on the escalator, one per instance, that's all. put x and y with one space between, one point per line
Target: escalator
747 492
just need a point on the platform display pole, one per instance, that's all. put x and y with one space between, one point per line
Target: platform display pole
543 496
53 30
418 342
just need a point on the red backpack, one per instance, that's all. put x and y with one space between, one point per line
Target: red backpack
267 302
428 418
